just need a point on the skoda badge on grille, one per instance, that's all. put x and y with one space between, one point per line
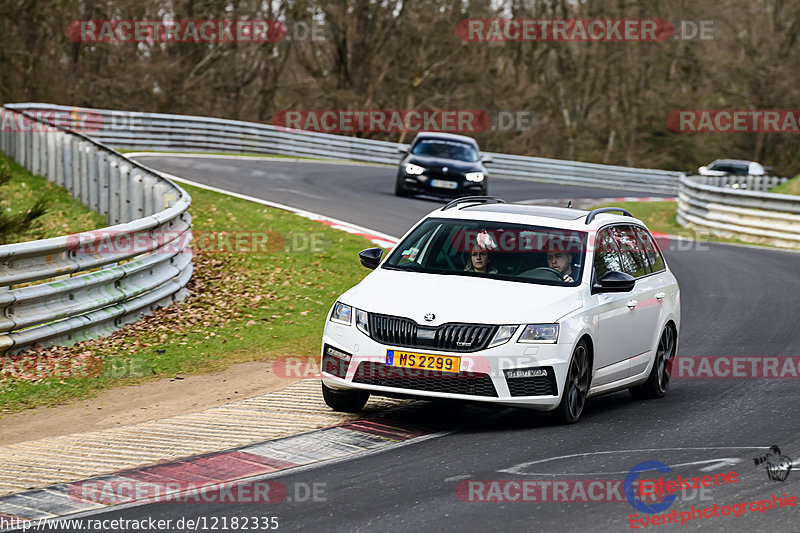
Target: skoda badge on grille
430 317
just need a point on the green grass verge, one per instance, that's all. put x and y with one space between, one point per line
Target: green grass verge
242 307
63 213
790 187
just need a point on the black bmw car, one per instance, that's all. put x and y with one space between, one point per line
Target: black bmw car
442 164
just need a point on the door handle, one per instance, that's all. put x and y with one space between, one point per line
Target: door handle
660 296
632 304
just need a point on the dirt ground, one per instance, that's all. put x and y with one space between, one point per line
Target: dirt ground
140 403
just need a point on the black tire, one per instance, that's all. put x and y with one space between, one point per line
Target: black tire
658 381
345 401
576 386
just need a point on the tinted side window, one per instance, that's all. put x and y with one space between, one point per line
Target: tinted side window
651 251
606 257
634 261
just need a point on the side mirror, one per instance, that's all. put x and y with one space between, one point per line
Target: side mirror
487 159
614 281
402 149
371 257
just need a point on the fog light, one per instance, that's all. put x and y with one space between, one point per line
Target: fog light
335 362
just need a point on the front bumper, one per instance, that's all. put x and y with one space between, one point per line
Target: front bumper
482 377
423 184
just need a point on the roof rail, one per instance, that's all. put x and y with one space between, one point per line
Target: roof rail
476 199
599 210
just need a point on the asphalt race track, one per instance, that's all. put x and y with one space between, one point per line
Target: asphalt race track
360 194
736 301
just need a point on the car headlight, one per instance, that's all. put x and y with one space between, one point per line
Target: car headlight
503 334
539 333
362 321
477 177
414 170
342 313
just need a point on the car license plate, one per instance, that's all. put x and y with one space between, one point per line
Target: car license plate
442 184
422 361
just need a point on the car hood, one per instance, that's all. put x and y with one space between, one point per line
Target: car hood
454 298
436 163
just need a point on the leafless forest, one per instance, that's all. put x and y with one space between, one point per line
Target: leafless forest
591 101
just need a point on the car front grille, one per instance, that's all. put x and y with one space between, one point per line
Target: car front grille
437 174
399 331
534 386
467 383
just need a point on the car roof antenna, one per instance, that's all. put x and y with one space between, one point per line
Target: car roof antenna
569 204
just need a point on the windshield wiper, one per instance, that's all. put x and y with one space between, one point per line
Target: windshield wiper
413 267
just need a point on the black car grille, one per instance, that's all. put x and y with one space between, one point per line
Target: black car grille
534 386
398 331
467 383
437 174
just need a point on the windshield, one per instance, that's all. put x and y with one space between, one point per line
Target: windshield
730 168
445 149
512 252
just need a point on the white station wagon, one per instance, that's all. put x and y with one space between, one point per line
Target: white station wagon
516 305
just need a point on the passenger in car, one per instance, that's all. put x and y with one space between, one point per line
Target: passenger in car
480 260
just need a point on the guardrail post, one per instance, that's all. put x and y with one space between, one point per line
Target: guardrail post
58 157
33 164
50 154
112 191
43 147
149 196
121 213
69 164
96 163
136 204
24 149
83 173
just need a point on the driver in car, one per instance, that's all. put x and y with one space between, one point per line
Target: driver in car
558 261
561 261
